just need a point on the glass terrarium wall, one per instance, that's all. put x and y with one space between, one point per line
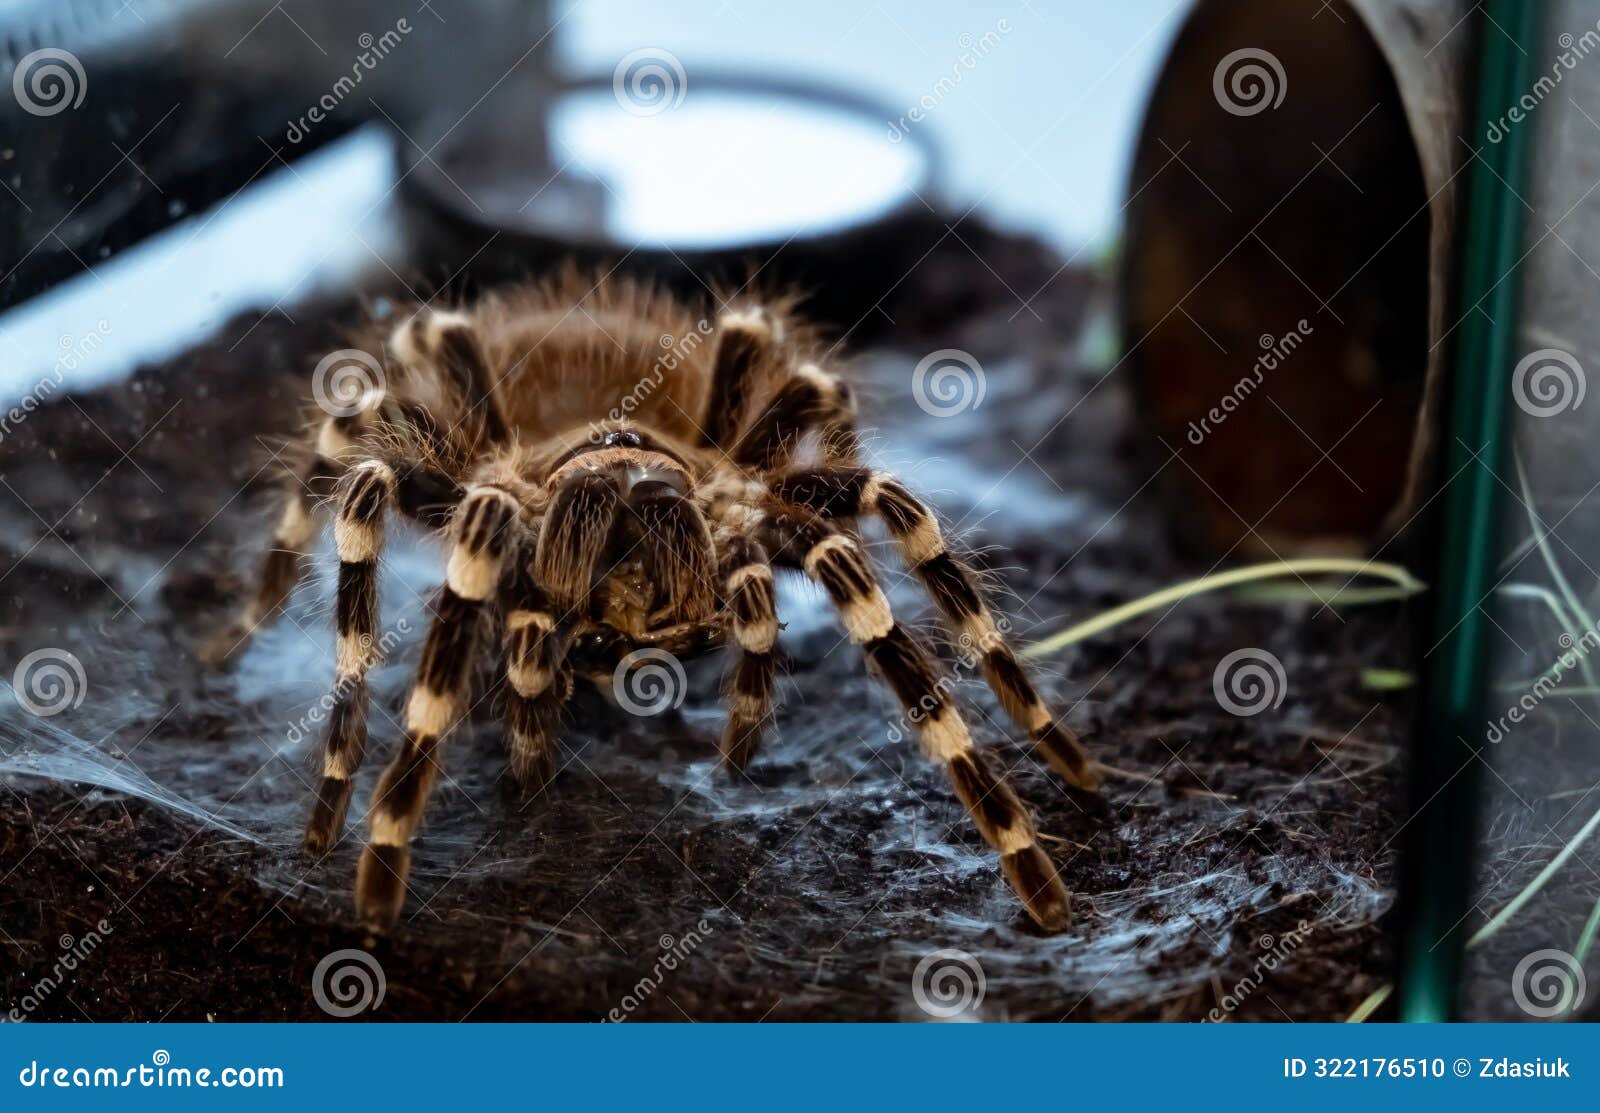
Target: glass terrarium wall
1531 930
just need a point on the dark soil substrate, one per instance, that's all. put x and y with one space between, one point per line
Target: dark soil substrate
168 803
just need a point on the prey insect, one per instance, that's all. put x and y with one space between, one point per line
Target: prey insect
602 484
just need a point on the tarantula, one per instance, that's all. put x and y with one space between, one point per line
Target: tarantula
613 472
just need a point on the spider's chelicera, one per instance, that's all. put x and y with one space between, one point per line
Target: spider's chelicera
611 474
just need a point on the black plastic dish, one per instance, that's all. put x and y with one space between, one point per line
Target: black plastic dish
844 269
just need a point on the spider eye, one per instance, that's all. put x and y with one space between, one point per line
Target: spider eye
624 439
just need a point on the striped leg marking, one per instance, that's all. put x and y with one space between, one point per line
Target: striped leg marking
483 531
449 342
837 562
812 399
365 493
745 340
753 619
850 492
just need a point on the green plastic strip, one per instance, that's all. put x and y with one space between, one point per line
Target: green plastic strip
1442 831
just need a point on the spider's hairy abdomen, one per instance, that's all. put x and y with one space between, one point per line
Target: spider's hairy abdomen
567 353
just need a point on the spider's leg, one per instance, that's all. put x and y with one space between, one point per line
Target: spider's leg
365 493
810 399
848 492
484 530
281 567
448 341
837 562
539 683
746 340
753 621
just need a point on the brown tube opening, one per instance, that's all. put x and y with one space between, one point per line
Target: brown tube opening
1275 280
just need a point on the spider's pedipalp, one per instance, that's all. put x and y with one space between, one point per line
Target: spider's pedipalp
576 535
537 679
676 549
847 493
753 620
837 562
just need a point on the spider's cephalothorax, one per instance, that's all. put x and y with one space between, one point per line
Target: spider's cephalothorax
611 473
